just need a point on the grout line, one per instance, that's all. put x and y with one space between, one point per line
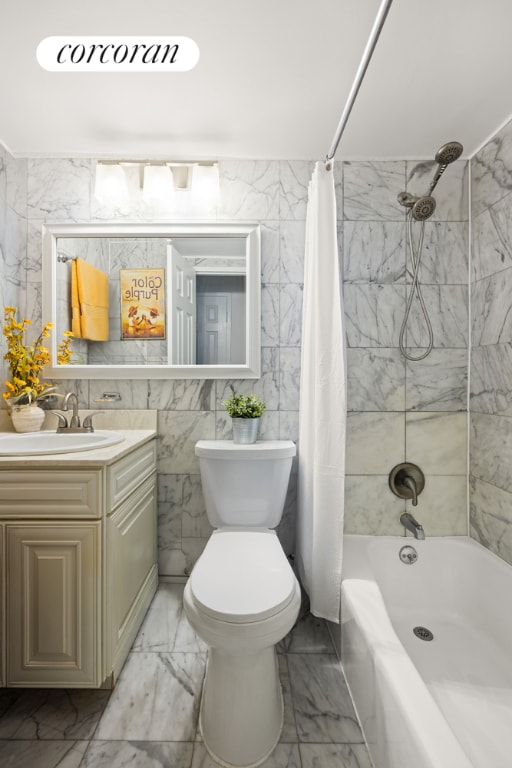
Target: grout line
470 349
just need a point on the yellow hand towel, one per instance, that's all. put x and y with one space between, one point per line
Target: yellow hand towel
92 286
76 327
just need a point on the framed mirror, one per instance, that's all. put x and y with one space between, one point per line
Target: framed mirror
153 301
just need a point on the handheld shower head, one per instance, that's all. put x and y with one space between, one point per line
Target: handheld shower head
423 208
448 153
445 155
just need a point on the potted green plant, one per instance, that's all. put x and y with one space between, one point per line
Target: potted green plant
245 412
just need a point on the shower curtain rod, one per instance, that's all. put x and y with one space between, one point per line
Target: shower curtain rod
361 71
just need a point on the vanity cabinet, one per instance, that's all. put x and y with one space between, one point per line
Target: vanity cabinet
79 566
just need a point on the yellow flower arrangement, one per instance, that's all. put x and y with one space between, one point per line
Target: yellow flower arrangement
26 361
65 354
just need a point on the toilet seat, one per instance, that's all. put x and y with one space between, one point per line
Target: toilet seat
242 577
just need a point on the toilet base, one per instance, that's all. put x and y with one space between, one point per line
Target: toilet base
241 716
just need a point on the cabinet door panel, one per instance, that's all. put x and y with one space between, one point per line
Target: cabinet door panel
132 558
53 604
132 535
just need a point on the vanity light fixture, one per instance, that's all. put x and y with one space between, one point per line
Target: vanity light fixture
182 174
158 183
206 183
110 182
158 180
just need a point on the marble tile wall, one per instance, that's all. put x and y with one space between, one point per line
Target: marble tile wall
397 410
13 233
400 410
491 356
274 194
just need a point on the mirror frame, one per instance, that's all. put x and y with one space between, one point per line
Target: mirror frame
251 369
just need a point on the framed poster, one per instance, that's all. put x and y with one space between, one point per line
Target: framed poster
142 303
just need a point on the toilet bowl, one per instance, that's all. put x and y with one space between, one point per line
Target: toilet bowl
241 606
242 598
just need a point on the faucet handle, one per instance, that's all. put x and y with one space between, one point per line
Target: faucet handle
410 483
63 424
87 422
407 481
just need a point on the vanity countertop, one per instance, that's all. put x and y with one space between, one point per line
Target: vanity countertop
97 457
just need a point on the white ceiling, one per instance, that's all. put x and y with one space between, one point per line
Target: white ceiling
271 82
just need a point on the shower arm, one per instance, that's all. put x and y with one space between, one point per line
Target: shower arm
361 71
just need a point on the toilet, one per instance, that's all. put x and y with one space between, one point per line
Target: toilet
242 597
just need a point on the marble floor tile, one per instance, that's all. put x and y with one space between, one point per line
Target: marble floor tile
158 632
323 708
138 754
42 754
50 714
165 627
156 698
186 640
289 732
309 635
150 720
284 756
334 756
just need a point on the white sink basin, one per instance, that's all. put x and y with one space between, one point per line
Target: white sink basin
39 443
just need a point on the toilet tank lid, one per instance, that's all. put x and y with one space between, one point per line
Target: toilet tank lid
262 449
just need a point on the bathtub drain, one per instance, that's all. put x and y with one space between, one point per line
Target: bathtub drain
423 633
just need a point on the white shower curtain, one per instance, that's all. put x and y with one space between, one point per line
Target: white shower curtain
322 408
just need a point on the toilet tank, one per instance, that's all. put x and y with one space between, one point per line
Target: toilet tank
245 485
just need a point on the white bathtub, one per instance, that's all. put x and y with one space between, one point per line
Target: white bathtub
445 703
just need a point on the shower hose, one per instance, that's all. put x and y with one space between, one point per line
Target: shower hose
415 288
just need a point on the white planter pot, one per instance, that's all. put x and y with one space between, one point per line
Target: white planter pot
27 418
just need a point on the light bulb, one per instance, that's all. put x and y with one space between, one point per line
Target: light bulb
110 182
158 183
206 184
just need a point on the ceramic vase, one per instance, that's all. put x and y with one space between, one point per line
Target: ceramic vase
245 430
27 418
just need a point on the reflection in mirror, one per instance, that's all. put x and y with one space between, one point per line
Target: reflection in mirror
161 300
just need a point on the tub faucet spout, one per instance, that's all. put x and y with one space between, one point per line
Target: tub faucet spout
411 524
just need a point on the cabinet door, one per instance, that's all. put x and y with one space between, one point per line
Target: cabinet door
133 572
2 606
53 604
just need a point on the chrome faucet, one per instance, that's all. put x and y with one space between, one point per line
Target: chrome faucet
75 419
411 524
74 422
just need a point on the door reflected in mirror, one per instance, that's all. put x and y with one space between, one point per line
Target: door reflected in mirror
164 300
